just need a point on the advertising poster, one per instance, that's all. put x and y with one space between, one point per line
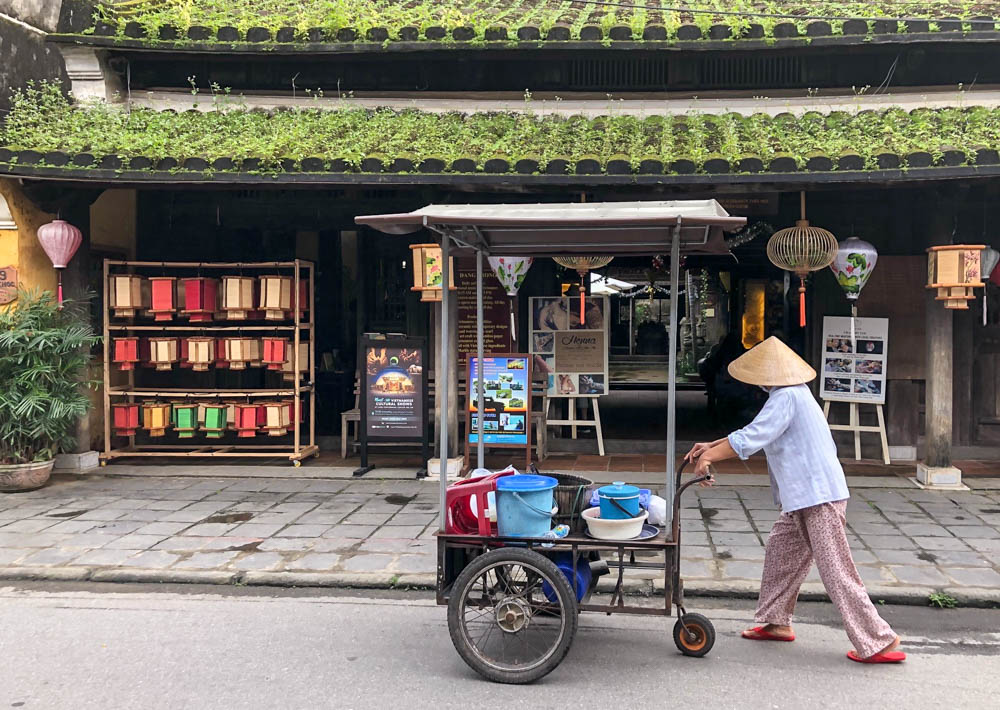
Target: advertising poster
496 311
394 391
573 356
854 370
506 399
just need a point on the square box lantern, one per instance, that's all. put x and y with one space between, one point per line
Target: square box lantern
163 297
275 352
428 271
127 294
201 297
246 420
163 353
276 418
126 353
287 369
237 296
155 418
955 271
125 418
186 420
214 424
239 352
276 296
200 353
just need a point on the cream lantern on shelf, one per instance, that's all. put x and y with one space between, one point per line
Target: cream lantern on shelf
954 271
428 271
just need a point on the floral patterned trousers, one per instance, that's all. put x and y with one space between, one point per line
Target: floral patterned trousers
796 540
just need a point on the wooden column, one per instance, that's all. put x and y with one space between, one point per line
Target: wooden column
939 384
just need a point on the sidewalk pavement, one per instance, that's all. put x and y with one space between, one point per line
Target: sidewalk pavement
908 543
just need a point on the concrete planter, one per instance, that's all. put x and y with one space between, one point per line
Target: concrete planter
24 477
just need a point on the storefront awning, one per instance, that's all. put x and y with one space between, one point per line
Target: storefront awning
580 228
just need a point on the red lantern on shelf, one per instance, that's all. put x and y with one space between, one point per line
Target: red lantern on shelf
60 240
125 418
246 420
275 352
126 353
164 297
200 298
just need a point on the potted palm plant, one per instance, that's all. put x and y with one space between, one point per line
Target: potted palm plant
44 354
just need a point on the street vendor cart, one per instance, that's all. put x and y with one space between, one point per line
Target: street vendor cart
512 610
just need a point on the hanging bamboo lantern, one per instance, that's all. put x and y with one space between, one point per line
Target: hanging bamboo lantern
275 352
200 353
125 418
237 296
238 352
185 420
163 297
276 418
801 249
583 265
155 418
287 368
276 296
163 352
428 271
126 293
214 422
200 298
246 420
955 271
126 353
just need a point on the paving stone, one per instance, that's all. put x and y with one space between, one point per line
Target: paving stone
940 543
256 529
730 538
166 505
863 557
958 558
874 528
367 563
134 541
303 531
696 552
364 518
717 525
246 506
287 544
116 527
904 557
924 530
875 574
73 526
694 537
338 544
743 570
393 545
185 516
320 518
918 575
890 542
206 560
355 531
104 557
31 525
162 528
398 531
209 529
990 546
974 531
181 544
315 561
415 564
972 577
51 556
150 559
696 569
259 561
753 553
276 518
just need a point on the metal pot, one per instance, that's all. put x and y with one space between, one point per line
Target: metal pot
19 477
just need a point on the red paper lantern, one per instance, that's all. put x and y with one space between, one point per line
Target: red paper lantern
60 240
164 297
275 352
126 353
125 418
200 298
246 420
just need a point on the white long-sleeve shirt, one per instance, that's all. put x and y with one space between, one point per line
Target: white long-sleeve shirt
801 454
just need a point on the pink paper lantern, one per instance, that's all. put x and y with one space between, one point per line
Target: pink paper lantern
60 240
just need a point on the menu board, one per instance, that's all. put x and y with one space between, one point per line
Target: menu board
496 311
854 369
506 400
394 390
573 356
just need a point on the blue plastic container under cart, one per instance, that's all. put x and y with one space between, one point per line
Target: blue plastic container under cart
564 561
524 505
619 501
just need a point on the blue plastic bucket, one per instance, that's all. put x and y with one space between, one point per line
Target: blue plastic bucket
626 497
524 505
564 561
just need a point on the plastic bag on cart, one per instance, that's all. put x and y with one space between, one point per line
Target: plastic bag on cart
657 511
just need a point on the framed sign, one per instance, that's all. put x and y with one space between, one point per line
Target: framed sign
854 369
496 311
8 285
571 355
394 398
506 402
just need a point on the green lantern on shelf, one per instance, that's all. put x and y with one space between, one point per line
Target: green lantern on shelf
185 420
215 420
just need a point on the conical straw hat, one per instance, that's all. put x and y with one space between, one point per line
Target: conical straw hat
771 364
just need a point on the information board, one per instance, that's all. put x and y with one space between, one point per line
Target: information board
506 400
573 356
496 311
854 369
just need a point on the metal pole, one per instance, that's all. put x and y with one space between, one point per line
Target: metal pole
480 447
675 270
442 377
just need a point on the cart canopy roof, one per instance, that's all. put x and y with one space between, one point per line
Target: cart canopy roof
574 227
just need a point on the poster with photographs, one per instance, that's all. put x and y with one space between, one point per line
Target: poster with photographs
854 370
506 400
572 355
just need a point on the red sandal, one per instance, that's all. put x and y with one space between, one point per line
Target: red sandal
758 634
887 657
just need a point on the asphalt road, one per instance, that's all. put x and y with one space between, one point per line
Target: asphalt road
147 647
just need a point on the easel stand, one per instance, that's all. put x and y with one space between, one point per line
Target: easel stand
854 425
573 422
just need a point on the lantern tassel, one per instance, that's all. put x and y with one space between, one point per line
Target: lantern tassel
59 296
802 303
583 295
854 314
513 325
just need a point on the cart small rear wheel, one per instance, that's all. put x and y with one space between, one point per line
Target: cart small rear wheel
296 463
699 638
512 615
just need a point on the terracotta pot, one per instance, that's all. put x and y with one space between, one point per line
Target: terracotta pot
25 476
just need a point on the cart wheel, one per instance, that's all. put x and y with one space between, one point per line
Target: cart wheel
501 622
699 638
296 463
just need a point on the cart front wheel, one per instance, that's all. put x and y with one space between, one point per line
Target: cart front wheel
699 637
512 615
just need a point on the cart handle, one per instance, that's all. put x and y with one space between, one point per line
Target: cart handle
681 488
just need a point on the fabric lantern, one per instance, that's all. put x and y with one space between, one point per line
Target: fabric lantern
125 418
428 271
126 291
276 418
60 240
155 418
214 423
163 352
583 265
275 352
126 353
185 420
200 298
510 271
200 353
275 296
246 420
991 257
954 270
287 369
801 249
238 353
237 296
163 297
853 265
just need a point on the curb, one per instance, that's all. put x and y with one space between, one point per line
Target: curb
733 589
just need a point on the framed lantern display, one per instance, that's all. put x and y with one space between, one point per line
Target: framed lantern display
214 422
200 353
126 295
155 418
954 271
239 352
163 297
275 352
163 353
200 298
126 353
237 296
185 420
125 418
428 271
275 296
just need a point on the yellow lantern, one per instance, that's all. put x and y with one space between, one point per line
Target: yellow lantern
163 352
155 418
275 296
955 271
237 296
428 271
127 294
